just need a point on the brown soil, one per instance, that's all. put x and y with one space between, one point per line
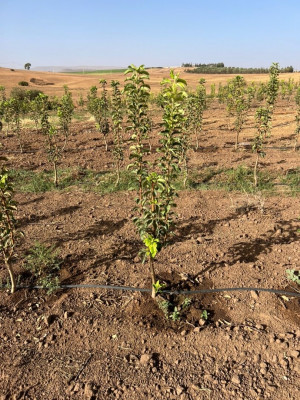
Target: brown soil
104 344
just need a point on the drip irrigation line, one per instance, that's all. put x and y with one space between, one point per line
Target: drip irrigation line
178 292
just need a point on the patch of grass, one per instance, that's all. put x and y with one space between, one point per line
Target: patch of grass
238 179
88 180
241 179
205 179
292 179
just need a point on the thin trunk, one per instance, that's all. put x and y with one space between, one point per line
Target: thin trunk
255 170
20 142
185 164
65 143
105 141
236 140
55 174
118 173
197 140
11 275
296 143
153 278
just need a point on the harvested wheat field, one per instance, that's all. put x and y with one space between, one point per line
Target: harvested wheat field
95 343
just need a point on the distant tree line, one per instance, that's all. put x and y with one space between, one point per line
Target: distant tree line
219 68
212 65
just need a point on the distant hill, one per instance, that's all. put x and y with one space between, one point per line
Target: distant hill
55 68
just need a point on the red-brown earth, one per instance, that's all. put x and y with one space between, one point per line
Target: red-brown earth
104 344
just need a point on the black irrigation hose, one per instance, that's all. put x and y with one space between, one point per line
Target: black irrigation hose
186 292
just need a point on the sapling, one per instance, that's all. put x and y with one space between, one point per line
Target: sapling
263 116
137 94
263 124
2 105
35 107
117 118
104 125
16 105
200 105
53 149
9 233
171 142
65 112
237 104
98 107
158 216
297 130
273 86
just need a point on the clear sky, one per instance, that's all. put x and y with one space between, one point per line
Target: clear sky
242 33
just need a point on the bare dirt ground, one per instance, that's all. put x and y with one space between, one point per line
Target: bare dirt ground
103 344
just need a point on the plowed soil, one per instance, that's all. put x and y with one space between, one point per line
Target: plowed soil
104 344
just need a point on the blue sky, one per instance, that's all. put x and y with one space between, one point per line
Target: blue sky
155 33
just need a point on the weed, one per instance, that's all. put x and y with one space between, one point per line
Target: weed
293 275
44 264
175 314
164 306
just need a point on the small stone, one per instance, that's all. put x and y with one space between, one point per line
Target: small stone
88 391
67 314
179 390
295 353
145 358
76 387
254 294
236 380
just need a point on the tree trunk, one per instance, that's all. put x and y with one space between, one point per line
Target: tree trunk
118 173
105 141
11 275
255 170
236 140
153 278
55 174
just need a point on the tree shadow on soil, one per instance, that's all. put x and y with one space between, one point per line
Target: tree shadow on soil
192 226
249 251
31 219
102 227
127 250
38 199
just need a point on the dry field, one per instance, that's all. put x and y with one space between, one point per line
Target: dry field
52 83
104 344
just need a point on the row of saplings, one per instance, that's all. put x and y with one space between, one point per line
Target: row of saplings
156 194
109 114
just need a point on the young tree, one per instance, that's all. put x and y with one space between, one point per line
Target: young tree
117 119
99 108
155 222
65 112
237 104
27 66
53 149
104 125
137 95
264 115
297 130
9 233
